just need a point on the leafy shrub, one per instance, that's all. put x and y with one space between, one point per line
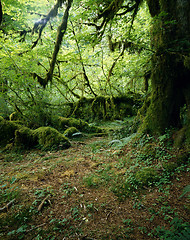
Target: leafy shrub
146 176
178 231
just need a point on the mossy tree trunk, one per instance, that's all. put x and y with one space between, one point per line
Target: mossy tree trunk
170 64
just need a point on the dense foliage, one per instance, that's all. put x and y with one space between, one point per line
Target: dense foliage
85 65
94 119
57 52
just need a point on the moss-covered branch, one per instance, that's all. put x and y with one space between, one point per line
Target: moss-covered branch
60 33
40 24
113 9
87 82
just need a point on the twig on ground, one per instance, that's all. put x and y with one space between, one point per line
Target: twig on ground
42 203
6 207
36 227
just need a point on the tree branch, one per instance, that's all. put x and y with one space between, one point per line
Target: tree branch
81 60
40 24
60 33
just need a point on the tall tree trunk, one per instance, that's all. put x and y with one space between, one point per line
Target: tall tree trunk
170 64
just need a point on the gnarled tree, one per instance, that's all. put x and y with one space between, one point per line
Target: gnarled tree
170 70
170 73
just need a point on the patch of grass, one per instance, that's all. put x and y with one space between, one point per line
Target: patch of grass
13 157
91 180
121 189
8 191
97 146
67 189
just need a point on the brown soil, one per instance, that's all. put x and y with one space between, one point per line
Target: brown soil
94 210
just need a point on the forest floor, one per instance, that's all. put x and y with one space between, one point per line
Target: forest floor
99 188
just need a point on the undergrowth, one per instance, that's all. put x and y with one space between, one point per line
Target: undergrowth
127 169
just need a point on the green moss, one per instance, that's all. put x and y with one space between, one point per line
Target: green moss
81 125
25 137
19 136
179 138
7 131
103 108
155 120
1 118
82 109
50 138
146 176
69 132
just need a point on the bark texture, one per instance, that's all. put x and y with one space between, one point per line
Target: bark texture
170 64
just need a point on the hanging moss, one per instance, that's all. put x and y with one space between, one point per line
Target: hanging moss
82 109
105 107
99 108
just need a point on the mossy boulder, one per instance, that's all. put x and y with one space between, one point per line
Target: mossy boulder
7 131
70 131
17 136
146 176
50 138
25 137
81 125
